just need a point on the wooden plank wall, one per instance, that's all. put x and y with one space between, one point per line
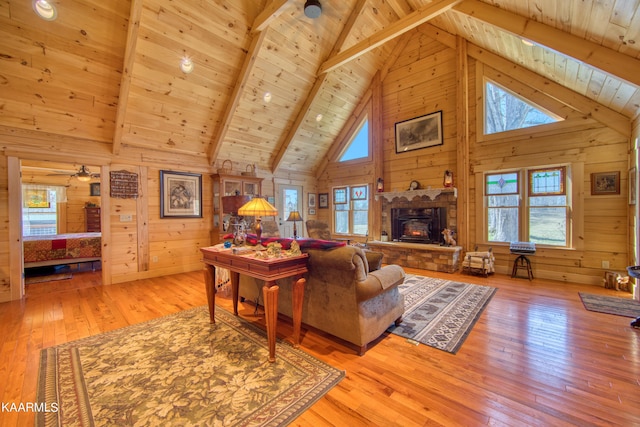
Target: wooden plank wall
423 81
5 283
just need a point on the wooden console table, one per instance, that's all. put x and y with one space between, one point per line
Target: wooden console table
268 270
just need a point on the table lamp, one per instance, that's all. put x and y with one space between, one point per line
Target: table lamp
258 207
294 216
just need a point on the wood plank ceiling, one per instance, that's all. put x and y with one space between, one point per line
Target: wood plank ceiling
108 72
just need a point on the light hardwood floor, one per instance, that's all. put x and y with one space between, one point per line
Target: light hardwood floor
535 357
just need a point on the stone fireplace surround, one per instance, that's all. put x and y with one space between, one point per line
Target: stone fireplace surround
420 255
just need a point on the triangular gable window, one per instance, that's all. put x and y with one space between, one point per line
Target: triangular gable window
358 147
505 111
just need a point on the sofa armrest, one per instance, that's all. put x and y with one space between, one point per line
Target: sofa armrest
379 281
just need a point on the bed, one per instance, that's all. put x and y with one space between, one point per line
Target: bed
61 249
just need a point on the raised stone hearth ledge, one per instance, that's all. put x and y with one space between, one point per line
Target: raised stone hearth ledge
418 255
431 193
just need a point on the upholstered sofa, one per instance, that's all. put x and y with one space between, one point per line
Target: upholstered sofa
342 296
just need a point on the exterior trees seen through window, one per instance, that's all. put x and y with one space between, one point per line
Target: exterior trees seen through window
351 209
544 217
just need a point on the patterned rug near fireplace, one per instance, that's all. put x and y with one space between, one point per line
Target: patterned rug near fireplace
440 313
179 370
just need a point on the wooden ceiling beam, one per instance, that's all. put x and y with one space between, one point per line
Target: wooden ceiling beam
236 94
607 60
394 30
400 7
127 69
317 86
268 15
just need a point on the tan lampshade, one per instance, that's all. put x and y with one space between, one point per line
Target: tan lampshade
258 207
294 216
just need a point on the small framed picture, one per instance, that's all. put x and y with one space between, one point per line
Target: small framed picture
312 211
605 183
323 200
312 200
94 189
180 195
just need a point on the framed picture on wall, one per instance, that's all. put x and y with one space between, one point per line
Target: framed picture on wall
312 200
94 189
605 183
323 200
180 195
421 132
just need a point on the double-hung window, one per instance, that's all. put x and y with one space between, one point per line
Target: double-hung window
528 205
351 209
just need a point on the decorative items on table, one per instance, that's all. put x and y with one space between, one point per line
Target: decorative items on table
232 204
295 217
258 207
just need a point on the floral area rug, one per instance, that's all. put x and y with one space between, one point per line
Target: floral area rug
179 370
626 307
440 313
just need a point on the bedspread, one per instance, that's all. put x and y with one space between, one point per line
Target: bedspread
76 246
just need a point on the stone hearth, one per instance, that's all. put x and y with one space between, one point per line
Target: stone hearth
420 255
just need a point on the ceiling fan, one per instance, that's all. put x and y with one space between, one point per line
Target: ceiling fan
83 174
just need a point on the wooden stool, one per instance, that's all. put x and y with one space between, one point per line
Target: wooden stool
522 262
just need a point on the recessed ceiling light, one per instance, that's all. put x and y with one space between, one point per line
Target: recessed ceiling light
319 117
186 65
267 97
45 10
527 42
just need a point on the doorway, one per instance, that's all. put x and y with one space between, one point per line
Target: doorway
290 200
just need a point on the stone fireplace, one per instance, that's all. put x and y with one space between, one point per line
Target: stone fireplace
414 220
419 225
430 211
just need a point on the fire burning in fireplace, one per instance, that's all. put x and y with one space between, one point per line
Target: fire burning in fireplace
421 225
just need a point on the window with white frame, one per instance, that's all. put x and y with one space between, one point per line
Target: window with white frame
528 205
351 209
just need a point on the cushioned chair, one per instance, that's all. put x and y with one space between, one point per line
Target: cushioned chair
348 294
318 229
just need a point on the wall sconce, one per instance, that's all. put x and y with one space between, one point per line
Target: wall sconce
448 179
380 185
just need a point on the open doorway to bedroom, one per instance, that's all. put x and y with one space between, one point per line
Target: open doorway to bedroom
61 233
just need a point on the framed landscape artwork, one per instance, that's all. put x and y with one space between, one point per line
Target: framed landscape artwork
421 132
605 183
180 195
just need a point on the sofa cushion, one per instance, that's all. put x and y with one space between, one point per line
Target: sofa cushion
374 259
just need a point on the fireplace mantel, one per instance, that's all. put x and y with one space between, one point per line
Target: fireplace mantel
431 193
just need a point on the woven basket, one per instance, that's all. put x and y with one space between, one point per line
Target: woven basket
251 171
224 170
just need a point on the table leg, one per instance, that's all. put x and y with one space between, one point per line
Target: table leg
270 294
235 285
210 286
298 297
